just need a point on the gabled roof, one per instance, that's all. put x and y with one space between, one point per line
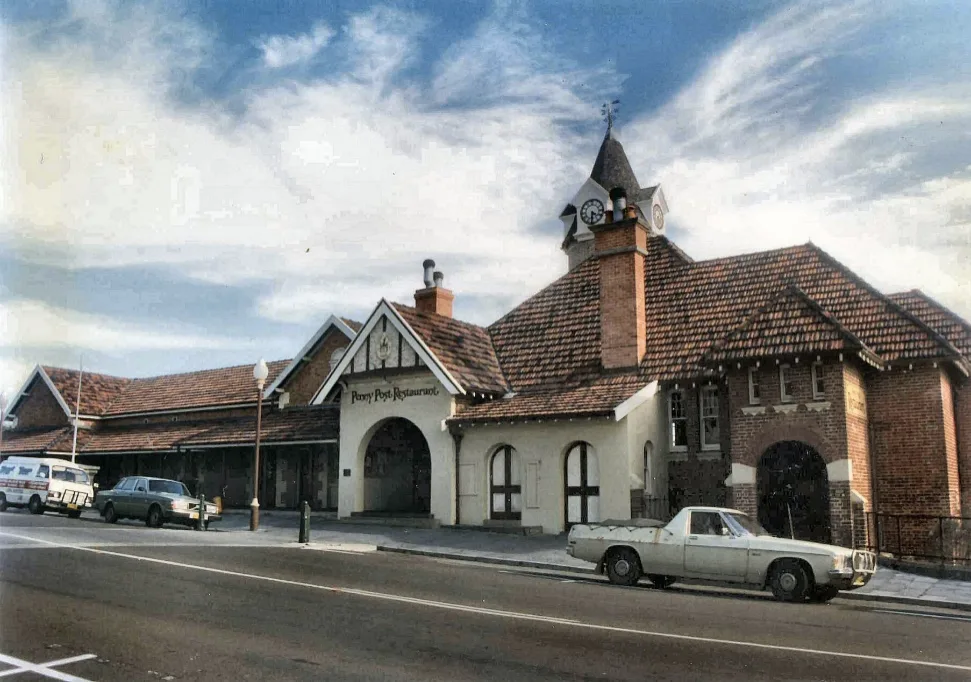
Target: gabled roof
333 323
464 348
384 309
97 390
789 324
938 317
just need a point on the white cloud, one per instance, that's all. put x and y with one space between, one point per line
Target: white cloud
279 51
745 169
32 324
363 175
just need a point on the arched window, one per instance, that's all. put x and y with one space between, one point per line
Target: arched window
505 485
582 485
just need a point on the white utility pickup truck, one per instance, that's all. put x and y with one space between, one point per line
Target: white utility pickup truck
725 545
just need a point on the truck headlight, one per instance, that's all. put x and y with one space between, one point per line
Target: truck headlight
840 561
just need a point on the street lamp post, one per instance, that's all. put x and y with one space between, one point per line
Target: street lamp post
260 373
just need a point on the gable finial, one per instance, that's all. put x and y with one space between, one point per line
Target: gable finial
609 112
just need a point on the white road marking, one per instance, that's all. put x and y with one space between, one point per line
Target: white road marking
942 616
515 615
44 669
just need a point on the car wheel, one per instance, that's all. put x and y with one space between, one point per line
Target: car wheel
110 515
661 581
154 518
823 594
623 567
35 505
790 581
3 502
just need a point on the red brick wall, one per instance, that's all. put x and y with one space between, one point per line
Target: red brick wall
752 435
622 299
857 431
40 408
962 409
309 376
910 449
696 476
950 445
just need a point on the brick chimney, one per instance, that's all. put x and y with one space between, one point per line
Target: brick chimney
434 298
621 249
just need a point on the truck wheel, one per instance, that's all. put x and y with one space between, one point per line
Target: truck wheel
74 514
661 581
3 502
110 515
35 506
623 567
789 581
823 594
154 518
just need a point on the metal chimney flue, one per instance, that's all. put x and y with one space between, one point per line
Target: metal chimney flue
429 266
438 278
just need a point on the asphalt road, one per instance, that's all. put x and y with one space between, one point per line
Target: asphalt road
169 604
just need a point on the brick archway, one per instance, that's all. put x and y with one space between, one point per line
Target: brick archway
792 492
791 432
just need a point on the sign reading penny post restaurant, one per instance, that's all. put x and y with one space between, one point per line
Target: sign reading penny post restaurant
393 394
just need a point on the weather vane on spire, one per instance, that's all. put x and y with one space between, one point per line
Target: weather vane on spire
609 112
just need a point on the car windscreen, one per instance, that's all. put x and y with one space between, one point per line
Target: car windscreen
171 487
743 524
62 474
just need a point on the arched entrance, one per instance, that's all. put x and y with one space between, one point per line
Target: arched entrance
582 477
793 492
397 469
505 485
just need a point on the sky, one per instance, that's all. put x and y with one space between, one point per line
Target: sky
187 185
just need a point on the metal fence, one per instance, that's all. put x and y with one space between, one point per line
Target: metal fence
943 539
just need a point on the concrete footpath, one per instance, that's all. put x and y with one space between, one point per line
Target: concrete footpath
546 552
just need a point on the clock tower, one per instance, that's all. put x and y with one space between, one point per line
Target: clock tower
611 187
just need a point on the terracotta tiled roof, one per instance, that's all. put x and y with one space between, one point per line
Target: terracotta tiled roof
97 390
936 316
464 348
690 307
790 323
36 441
141 438
554 336
206 388
356 326
594 399
294 424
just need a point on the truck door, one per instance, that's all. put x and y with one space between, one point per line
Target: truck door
712 551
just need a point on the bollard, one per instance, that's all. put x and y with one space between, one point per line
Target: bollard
201 521
305 522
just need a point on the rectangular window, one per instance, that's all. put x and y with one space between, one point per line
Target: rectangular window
709 418
754 390
679 421
819 387
785 383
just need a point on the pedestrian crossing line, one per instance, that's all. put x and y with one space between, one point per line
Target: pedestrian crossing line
44 669
515 615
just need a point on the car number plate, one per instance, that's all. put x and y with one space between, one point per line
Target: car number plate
193 515
72 506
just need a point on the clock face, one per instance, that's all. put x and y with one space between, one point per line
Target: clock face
658 217
592 211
